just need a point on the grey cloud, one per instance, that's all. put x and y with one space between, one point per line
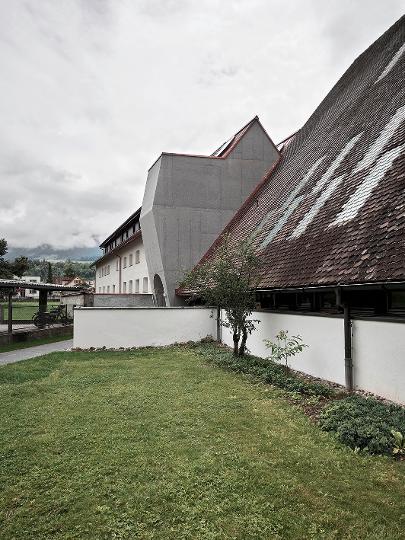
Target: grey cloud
93 91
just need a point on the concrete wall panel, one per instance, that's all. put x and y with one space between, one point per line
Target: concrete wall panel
188 201
140 327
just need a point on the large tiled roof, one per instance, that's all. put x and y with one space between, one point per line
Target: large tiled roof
333 209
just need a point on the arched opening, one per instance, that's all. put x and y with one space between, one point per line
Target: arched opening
159 291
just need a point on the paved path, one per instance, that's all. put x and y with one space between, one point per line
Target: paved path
17 326
31 352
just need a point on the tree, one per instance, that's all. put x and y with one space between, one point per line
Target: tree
3 247
228 281
19 266
69 270
49 277
5 269
284 347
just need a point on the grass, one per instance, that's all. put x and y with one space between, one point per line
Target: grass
34 342
24 311
157 444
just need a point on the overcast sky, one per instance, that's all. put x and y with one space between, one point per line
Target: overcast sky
92 91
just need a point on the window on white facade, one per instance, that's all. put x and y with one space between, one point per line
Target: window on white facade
130 285
103 289
145 285
137 285
108 289
117 264
99 272
125 262
108 269
113 289
131 260
137 256
99 290
124 287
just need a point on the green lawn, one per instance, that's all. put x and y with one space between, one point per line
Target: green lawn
25 310
156 444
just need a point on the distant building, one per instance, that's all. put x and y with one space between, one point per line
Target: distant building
123 269
29 293
188 200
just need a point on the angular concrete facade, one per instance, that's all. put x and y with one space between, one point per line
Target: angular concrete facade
189 199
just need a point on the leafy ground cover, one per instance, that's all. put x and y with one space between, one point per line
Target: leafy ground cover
363 423
34 342
24 311
157 443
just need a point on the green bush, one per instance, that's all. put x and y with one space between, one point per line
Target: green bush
364 423
264 369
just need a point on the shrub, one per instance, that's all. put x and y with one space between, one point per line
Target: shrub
364 423
284 347
264 369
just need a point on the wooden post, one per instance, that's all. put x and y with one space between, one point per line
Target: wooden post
10 312
43 303
43 300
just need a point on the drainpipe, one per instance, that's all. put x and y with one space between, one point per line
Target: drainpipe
348 347
347 324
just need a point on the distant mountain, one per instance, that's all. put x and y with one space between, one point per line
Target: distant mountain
49 253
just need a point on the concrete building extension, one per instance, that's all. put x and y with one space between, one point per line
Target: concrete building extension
188 200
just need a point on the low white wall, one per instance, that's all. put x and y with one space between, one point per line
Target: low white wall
140 327
323 358
379 358
378 349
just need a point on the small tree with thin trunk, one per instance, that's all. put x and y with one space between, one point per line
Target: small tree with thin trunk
228 281
49 276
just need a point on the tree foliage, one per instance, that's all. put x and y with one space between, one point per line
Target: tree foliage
228 281
9 269
49 276
285 347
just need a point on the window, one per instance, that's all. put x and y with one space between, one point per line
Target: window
99 290
131 260
99 272
113 289
137 256
117 265
103 289
108 289
124 287
108 269
145 285
125 262
137 285
130 284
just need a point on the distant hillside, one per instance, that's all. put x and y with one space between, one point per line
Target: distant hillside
49 253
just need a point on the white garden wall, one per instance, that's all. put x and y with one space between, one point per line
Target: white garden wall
140 327
325 355
378 349
379 358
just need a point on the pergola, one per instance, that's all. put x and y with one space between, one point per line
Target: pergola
44 288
